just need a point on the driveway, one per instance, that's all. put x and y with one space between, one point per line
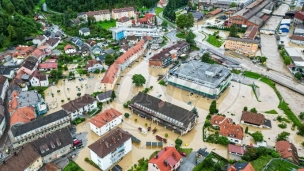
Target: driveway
188 163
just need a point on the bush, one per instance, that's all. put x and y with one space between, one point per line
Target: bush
301 116
91 162
127 115
246 129
166 135
271 112
162 82
62 101
245 108
78 121
58 91
253 110
282 125
125 105
69 99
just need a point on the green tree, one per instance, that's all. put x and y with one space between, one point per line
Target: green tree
301 116
164 24
283 136
109 59
206 57
223 140
212 108
208 162
250 154
113 95
233 4
185 21
138 80
246 129
11 31
2 39
253 110
217 167
127 115
71 74
298 75
257 136
56 74
178 141
233 31
245 108
190 38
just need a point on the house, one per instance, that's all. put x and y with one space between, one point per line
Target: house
123 12
297 39
197 15
236 150
109 79
104 97
79 106
255 119
28 132
161 3
201 154
167 55
70 49
47 66
298 17
22 115
38 79
26 159
84 31
93 65
124 22
22 51
3 87
100 15
172 117
105 121
245 166
215 12
101 57
77 41
2 121
233 132
287 151
166 159
97 50
109 51
132 54
38 40
132 39
299 30
41 52
110 148
250 32
29 65
54 145
52 42
243 46
85 49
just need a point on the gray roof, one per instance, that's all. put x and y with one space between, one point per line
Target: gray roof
24 128
203 152
267 123
242 40
104 95
168 109
252 9
5 70
256 20
85 30
28 98
197 15
240 166
78 103
208 75
109 51
53 142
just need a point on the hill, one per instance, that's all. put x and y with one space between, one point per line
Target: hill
90 5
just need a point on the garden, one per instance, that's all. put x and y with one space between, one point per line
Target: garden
78 121
215 39
72 166
279 164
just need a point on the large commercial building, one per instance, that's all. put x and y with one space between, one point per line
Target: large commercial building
164 113
243 46
122 32
208 80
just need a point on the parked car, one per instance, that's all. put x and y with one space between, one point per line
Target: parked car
77 142
183 154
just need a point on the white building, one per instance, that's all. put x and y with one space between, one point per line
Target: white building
122 32
110 148
100 15
105 121
84 31
3 87
80 106
94 65
39 80
39 40
297 39
123 12
70 49
208 80
124 22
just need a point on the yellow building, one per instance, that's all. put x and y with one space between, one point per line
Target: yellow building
243 46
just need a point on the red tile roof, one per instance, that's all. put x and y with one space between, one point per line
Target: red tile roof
301 38
168 154
149 16
248 167
287 150
38 53
253 118
299 15
251 32
91 63
123 19
105 117
22 115
219 119
123 58
231 130
48 65
236 149
111 73
68 46
218 10
13 104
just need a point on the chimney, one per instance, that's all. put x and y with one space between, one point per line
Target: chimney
120 135
173 155
113 139
165 148
107 144
156 156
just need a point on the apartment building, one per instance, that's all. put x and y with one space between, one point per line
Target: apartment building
109 79
105 121
124 22
123 12
22 134
100 15
243 46
110 148
122 32
170 116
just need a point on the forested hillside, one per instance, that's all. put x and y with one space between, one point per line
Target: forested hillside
89 5
16 20
169 11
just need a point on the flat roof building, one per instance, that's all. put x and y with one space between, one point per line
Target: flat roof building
122 32
208 80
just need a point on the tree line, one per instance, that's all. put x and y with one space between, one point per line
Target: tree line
169 11
90 5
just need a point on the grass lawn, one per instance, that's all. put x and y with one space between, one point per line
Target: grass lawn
186 150
107 25
158 10
235 71
214 41
182 35
72 166
143 9
261 162
252 75
271 112
278 164
193 48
